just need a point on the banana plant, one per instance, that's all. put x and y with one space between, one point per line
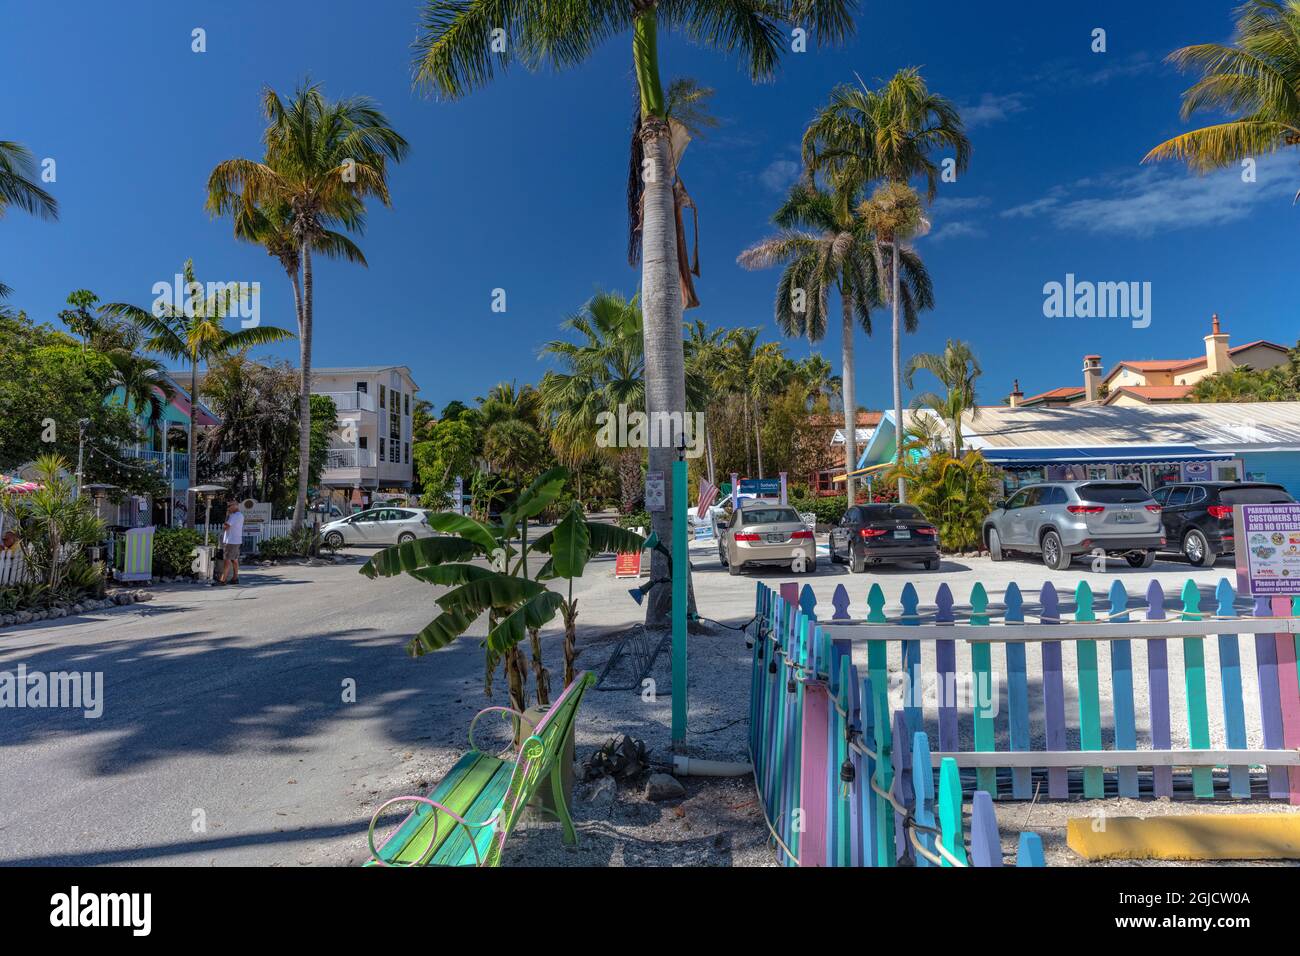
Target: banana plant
517 603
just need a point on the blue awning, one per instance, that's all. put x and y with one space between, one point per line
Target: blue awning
1099 455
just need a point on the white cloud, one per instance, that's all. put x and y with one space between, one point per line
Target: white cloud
779 175
950 205
956 230
992 108
1158 198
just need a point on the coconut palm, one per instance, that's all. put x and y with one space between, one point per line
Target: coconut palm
889 134
144 385
456 52
957 369
323 159
1255 80
18 187
826 245
194 331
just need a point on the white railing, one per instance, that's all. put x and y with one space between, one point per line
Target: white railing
350 401
255 532
349 458
178 461
13 569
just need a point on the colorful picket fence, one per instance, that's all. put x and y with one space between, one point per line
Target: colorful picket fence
843 782
805 683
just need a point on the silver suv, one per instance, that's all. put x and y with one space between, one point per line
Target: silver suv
1062 519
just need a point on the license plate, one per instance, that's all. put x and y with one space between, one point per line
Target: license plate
1125 517
775 538
902 534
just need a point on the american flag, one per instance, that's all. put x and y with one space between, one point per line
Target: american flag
708 494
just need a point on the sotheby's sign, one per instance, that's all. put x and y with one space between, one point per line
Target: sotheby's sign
1268 548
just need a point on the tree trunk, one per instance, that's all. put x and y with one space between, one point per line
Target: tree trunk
191 499
708 447
758 440
850 402
304 391
541 676
570 612
900 433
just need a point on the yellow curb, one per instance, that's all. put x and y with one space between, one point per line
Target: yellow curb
1204 836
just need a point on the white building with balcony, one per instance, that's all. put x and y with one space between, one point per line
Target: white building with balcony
371 451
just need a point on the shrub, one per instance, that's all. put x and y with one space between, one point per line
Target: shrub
172 549
829 511
955 493
637 519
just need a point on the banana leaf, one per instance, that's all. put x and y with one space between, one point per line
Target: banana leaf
493 590
452 574
485 536
440 632
535 612
534 499
420 553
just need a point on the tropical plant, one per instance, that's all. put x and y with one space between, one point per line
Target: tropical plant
144 386
955 493
18 187
323 160
956 368
1253 80
173 550
54 524
455 53
194 330
889 134
511 592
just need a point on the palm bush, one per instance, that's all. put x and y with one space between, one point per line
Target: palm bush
955 493
511 591
54 526
173 550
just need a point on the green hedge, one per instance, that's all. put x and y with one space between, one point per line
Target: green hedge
829 511
172 549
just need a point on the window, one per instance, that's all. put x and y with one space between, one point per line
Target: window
363 388
769 515
1197 496
382 393
361 441
381 447
406 453
1018 500
1257 495
1161 495
406 401
1115 493
1178 497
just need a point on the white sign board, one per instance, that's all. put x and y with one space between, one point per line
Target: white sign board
458 496
655 495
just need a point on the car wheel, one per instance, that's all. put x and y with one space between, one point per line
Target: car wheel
722 556
995 545
857 563
735 569
1054 554
932 564
1197 550
404 537
1140 559
830 549
334 539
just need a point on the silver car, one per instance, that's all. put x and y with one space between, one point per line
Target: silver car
1062 519
378 526
765 533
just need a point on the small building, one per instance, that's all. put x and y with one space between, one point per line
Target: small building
822 447
371 451
1156 444
1156 381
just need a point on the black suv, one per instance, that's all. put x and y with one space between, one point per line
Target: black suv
1198 515
884 534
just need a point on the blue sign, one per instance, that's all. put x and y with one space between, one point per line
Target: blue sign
704 530
763 487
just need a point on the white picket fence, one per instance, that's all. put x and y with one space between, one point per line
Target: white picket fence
13 569
255 532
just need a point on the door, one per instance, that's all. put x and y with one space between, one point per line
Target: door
365 528
1174 515
1019 510
839 541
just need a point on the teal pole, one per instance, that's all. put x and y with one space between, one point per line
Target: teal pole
680 570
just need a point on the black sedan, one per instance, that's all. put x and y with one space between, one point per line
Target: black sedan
884 534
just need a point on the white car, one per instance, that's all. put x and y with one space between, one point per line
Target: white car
378 526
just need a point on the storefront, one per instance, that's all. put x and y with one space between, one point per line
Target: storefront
1152 465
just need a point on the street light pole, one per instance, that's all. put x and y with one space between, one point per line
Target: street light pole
82 424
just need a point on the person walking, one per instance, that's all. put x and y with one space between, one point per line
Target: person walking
232 535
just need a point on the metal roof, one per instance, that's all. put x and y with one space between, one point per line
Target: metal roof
1099 455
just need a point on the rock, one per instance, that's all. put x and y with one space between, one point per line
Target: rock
78 609
144 595
603 792
663 786
23 617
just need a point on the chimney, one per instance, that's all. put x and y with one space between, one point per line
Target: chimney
1016 396
1217 358
1091 378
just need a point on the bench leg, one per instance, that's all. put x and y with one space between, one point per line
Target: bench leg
562 806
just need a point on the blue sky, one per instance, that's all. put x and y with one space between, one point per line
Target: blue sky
521 185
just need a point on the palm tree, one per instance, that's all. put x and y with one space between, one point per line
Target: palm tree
455 53
146 390
323 159
18 187
825 244
863 135
956 368
1253 79
194 331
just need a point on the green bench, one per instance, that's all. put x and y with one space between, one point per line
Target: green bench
465 820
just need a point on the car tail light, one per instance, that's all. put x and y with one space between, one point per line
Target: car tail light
1220 511
1154 509
872 532
930 531
747 537
807 535
1085 509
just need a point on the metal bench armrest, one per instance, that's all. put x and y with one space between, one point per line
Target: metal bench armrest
433 840
504 710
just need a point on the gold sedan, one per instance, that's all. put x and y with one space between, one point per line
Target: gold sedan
765 533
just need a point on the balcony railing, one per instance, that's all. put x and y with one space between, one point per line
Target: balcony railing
177 461
351 401
349 458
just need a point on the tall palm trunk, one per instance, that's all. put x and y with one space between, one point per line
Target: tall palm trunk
900 433
304 391
661 297
850 403
192 471
758 439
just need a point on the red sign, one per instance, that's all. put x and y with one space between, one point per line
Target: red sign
628 565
